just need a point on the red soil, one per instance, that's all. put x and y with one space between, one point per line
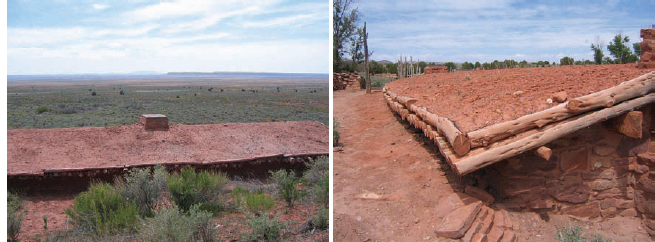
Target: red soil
485 97
32 150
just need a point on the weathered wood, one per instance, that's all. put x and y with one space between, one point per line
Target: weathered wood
629 124
543 152
368 76
636 87
541 137
456 138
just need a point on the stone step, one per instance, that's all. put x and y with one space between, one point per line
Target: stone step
455 224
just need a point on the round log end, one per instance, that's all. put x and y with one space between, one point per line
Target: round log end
573 105
462 145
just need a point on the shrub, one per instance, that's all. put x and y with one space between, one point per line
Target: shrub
42 109
102 209
287 186
263 229
321 220
570 234
143 188
321 191
317 170
258 203
171 224
14 216
94 93
121 92
335 133
188 188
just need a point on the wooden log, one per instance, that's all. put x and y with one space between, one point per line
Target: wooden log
629 124
458 140
549 133
636 87
543 152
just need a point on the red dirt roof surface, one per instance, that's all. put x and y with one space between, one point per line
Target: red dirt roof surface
32 150
476 99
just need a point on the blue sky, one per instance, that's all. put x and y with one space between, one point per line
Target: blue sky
68 37
478 30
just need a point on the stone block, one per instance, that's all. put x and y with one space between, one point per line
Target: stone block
607 174
600 185
647 183
604 150
607 203
496 234
574 160
458 221
630 212
632 147
480 194
573 192
610 193
609 212
509 236
587 210
154 121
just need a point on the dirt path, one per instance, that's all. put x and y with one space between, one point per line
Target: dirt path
388 183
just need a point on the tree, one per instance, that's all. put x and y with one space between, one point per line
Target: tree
567 61
451 66
523 63
122 92
598 53
94 93
477 65
637 48
620 51
344 26
422 65
356 47
392 68
467 65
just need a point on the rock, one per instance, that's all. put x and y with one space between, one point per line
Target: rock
573 160
632 147
560 97
607 203
647 183
487 222
478 193
624 204
458 221
499 220
508 220
609 213
610 193
479 238
603 184
509 236
608 174
647 158
517 93
587 210
604 150
630 212
573 192
541 204
452 201
496 234
475 227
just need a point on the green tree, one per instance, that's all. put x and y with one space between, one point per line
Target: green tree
598 53
392 68
451 66
620 50
422 65
637 48
477 64
567 61
344 27
356 50
523 63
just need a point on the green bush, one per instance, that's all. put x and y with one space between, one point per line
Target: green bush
317 170
171 224
321 220
102 209
287 186
335 133
258 203
263 229
573 233
14 216
42 109
321 191
143 188
188 188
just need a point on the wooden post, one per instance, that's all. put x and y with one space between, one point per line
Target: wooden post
368 76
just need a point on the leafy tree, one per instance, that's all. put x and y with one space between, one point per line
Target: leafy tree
451 66
376 67
637 49
567 61
620 50
477 64
344 27
598 53
467 66
392 68
422 65
523 63
356 50
607 60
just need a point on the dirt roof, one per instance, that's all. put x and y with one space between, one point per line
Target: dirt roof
32 150
477 99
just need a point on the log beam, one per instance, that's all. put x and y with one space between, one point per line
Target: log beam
547 134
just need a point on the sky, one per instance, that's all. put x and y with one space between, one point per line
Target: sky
484 31
89 36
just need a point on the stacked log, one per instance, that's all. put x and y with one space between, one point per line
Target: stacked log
647 45
433 69
343 81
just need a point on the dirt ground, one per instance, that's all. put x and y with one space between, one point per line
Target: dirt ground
487 95
32 150
388 180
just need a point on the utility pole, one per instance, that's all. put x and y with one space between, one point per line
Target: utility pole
368 76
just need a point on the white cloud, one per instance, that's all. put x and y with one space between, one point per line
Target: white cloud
300 18
99 6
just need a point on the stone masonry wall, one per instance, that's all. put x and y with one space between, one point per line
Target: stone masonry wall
342 81
647 45
433 69
593 173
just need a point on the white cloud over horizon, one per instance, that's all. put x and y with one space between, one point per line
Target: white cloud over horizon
197 35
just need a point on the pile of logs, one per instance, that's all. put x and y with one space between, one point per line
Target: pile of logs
467 152
647 46
343 81
433 69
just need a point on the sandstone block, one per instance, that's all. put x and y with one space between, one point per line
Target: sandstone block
573 192
587 210
573 160
630 212
603 150
509 236
154 121
458 221
609 213
600 185
495 234
478 193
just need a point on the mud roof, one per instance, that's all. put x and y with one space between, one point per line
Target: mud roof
480 117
